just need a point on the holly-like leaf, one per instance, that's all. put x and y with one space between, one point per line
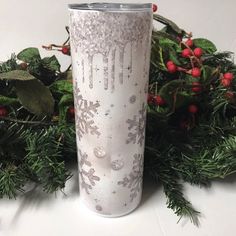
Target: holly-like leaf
51 63
170 49
163 34
168 43
66 99
69 75
173 56
205 44
206 72
173 94
35 97
29 54
169 23
17 75
157 57
62 86
64 104
7 101
209 74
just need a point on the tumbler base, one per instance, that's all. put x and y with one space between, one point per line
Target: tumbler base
111 215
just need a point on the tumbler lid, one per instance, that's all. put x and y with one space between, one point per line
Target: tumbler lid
100 6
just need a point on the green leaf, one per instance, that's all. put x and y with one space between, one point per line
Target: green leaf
51 63
168 43
207 72
170 49
62 86
64 104
66 99
205 44
173 94
69 75
35 97
157 57
169 23
6 101
29 54
173 56
158 34
17 75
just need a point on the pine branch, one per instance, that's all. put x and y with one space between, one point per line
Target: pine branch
68 141
9 65
12 143
160 168
44 159
224 59
11 181
26 122
177 202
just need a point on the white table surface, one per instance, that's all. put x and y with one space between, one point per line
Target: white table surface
37 214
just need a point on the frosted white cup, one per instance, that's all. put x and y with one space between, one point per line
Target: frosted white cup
110 48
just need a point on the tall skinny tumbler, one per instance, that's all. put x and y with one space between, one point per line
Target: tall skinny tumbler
110 48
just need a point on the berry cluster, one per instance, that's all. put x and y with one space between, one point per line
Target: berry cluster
193 54
227 79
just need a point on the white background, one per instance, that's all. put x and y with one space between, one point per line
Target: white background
27 23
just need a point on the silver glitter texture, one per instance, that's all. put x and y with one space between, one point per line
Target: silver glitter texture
135 178
101 32
136 127
86 173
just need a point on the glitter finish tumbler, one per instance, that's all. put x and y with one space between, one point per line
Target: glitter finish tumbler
110 48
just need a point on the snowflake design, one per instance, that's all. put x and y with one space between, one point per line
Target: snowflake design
87 177
135 179
137 127
84 116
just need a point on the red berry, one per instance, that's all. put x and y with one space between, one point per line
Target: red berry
169 63
186 53
159 100
193 109
71 111
3 111
196 72
23 66
229 76
196 87
225 82
229 95
189 43
197 52
172 68
154 7
150 99
65 50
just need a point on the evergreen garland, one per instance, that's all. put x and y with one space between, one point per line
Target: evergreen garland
191 123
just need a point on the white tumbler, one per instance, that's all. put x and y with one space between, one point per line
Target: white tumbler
110 48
